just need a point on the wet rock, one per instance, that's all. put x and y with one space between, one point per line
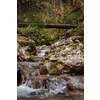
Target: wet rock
49 68
19 76
76 83
28 67
48 82
36 72
43 70
52 68
75 93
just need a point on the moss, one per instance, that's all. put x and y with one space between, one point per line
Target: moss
51 38
43 40
74 46
20 37
32 58
80 38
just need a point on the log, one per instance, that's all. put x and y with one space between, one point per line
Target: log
62 26
24 24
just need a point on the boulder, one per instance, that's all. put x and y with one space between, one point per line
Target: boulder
21 53
76 83
25 49
28 67
28 45
19 76
68 56
48 82
49 68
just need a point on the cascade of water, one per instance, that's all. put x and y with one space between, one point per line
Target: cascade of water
41 54
54 86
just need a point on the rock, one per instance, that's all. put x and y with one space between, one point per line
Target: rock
19 76
68 41
21 53
74 93
28 45
28 67
76 83
25 49
55 44
49 68
43 70
68 55
48 82
79 38
36 72
74 64
53 59
76 41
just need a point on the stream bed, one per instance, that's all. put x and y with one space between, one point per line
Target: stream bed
47 87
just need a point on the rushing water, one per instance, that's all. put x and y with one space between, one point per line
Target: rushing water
55 89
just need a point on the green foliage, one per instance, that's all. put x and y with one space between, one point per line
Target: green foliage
26 29
73 17
37 19
44 31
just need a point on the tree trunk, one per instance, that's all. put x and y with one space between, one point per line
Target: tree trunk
71 2
19 3
61 8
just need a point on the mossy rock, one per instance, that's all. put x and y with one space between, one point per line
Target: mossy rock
28 44
32 58
74 46
80 38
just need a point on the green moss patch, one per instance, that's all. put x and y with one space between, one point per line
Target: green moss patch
32 58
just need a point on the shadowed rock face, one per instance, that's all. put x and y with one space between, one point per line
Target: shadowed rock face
29 45
19 77
25 49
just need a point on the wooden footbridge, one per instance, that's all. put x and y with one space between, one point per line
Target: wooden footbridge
61 26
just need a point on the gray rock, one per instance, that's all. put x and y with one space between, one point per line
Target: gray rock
28 45
76 83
